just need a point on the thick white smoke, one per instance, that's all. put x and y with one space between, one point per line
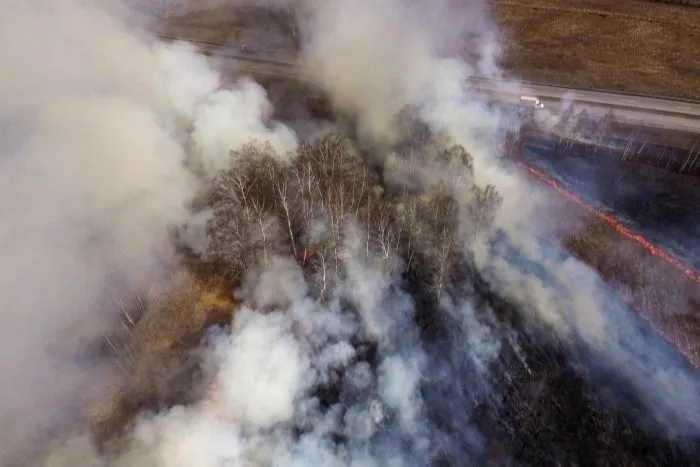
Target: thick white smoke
110 172
375 59
271 367
96 121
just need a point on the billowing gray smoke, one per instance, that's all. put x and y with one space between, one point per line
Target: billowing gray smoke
107 138
93 124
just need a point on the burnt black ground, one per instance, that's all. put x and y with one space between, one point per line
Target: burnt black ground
661 205
544 402
564 408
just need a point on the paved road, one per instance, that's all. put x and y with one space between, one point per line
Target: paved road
676 114
668 113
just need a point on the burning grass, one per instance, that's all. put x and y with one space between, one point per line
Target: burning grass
654 287
661 286
265 208
685 269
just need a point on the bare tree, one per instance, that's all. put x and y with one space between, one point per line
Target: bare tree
323 273
483 207
691 160
443 262
582 125
511 144
458 155
428 225
264 208
383 233
288 197
244 228
567 121
407 220
605 128
227 229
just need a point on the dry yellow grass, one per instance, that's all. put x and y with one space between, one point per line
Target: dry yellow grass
154 359
185 308
628 45
657 290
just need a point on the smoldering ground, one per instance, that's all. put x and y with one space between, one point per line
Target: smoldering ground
408 335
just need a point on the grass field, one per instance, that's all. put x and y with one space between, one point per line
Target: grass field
634 46
212 21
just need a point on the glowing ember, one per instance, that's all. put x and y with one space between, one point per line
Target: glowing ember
616 224
305 256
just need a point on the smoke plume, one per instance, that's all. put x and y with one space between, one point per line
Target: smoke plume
95 118
371 329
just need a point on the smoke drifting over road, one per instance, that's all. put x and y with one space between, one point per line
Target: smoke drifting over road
107 138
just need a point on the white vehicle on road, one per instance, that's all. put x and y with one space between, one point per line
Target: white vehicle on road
532 100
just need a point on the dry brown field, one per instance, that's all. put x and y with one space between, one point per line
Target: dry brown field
630 45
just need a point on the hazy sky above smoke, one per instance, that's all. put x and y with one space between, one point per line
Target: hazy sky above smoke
96 125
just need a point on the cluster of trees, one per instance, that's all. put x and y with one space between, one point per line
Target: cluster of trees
312 208
580 125
578 132
307 207
411 212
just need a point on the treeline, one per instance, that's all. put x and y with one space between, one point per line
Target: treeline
326 207
578 132
409 214
309 207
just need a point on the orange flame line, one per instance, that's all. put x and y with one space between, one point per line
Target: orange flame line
616 224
